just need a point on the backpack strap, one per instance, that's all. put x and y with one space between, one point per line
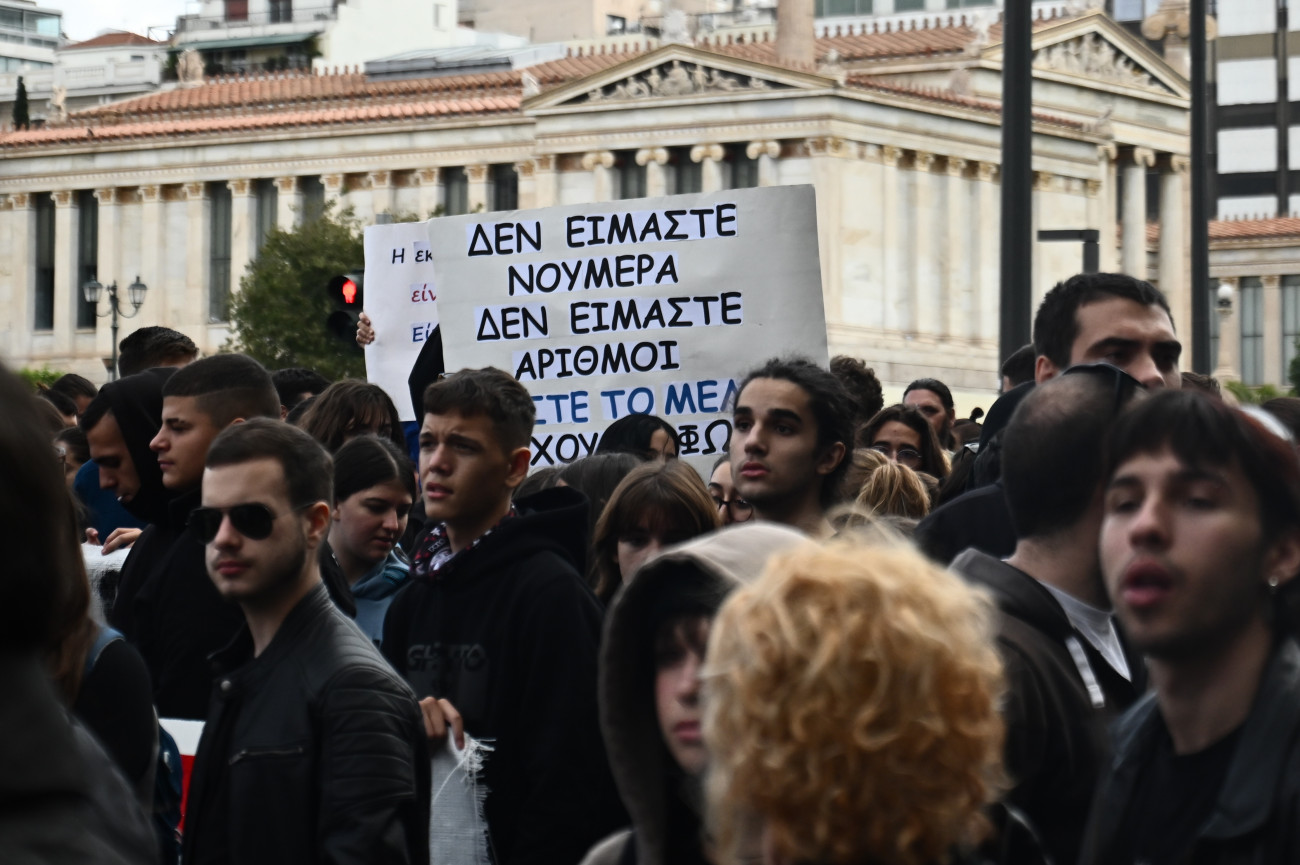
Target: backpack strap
103 638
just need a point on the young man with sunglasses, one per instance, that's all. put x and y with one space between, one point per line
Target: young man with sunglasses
792 430
178 618
1069 671
314 748
496 632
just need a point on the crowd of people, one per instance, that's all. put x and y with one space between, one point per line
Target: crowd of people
870 634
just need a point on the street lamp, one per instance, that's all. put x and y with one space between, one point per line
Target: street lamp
134 292
1223 361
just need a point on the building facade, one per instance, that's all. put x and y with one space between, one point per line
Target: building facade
898 131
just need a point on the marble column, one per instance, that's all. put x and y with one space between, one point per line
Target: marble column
1134 252
656 178
66 290
196 305
544 168
153 251
1228 364
288 203
108 254
429 181
527 174
108 251
1274 373
894 288
477 191
1171 255
381 192
988 250
243 229
827 155
601 165
767 153
927 294
18 270
710 157
1108 225
957 299
335 189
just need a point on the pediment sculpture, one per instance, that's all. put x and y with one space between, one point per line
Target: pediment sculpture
1091 56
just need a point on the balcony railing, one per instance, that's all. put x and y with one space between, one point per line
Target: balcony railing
277 14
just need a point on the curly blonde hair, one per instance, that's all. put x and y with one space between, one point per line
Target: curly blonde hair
851 705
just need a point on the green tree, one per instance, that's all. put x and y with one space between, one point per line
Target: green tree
37 377
278 317
1293 374
1247 395
22 117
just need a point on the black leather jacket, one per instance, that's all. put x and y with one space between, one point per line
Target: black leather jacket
314 752
1256 818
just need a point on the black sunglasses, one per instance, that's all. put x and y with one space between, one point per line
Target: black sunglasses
254 521
1125 384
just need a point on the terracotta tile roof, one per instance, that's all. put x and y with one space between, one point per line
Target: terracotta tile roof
1227 230
111 39
199 124
868 82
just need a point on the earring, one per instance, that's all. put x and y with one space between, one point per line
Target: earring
1272 583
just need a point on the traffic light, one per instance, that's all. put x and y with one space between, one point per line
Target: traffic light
346 302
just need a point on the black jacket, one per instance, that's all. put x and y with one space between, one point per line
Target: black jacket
1056 731
136 404
177 617
508 633
978 519
313 752
1256 818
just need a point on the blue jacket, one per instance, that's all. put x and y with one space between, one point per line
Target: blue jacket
374 592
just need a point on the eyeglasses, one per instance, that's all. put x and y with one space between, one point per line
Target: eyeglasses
909 457
739 509
1125 384
254 521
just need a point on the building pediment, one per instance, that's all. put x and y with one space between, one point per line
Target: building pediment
676 72
1094 50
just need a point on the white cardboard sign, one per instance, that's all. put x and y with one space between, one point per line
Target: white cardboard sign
653 306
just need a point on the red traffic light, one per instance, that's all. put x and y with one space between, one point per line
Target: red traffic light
349 290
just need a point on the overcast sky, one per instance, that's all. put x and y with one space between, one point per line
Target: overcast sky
83 19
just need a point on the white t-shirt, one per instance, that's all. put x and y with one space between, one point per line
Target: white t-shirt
1097 627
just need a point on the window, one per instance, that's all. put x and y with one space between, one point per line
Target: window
281 11
505 186
744 171
236 10
685 175
615 25
219 255
313 198
87 255
268 204
43 319
455 191
1290 322
629 176
909 5
1251 315
842 8
963 4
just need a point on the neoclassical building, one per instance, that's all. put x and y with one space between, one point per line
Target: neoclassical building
898 130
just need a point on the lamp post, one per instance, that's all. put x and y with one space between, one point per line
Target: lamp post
135 293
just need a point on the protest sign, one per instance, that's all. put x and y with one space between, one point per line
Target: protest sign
653 306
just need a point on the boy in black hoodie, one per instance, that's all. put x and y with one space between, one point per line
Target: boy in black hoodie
496 632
